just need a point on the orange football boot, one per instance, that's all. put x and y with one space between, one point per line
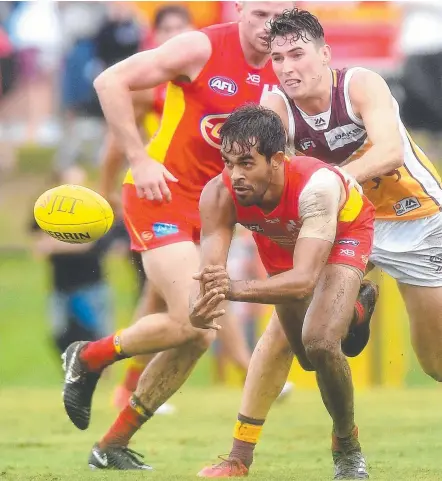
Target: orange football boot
227 468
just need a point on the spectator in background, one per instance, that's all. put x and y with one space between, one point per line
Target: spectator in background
81 118
100 35
119 36
6 63
169 21
80 298
421 43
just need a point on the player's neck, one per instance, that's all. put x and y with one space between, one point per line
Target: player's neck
273 195
320 99
252 57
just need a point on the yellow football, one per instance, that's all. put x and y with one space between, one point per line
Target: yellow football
73 214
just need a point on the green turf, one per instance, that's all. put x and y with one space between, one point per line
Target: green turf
401 432
24 320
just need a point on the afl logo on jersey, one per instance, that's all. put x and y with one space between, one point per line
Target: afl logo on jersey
209 126
223 85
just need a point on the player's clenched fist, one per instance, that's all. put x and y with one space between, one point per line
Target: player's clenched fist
214 277
204 310
150 178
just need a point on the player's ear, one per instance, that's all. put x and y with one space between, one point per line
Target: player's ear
277 159
326 54
239 6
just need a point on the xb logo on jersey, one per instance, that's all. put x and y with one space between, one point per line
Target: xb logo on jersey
209 126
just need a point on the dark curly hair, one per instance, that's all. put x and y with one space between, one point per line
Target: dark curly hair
296 24
252 125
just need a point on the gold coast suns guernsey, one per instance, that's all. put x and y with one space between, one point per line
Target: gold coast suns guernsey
151 122
410 192
187 141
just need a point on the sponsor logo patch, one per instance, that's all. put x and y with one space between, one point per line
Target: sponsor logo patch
351 242
254 227
347 252
146 235
253 79
406 205
210 126
307 144
162 229
223 85
343 135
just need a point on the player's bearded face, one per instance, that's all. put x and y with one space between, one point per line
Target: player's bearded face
255 17
299 65
250 174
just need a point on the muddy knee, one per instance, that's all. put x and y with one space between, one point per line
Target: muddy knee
320 351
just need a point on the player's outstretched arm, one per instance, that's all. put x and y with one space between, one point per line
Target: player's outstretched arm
218 219
319 205
372 101
182 57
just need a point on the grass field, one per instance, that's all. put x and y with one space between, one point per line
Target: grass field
401 432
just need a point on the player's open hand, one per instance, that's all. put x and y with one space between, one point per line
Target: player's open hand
205 310
214 277
150 178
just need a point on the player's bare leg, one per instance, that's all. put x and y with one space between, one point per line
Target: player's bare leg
154 333
149 302
268 370
424 307
234 342
326 324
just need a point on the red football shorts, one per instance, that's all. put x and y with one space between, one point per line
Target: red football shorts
152 224
351 248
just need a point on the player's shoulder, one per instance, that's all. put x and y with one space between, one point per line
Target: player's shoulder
192 48
215 191
364 82
274 99
220 31
304 163
216 201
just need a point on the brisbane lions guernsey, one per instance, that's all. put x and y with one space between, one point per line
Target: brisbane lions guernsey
187 141
338 135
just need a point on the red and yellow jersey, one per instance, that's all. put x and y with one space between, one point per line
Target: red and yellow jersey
152 120
187 141
283 224
339 136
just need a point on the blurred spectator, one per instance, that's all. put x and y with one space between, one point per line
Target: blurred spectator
99 35
119 36
421 43
6 63
80 300
81 119
169 20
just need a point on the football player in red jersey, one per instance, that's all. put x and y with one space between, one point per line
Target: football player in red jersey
209 73
170 20
299 210
160 201
349 117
